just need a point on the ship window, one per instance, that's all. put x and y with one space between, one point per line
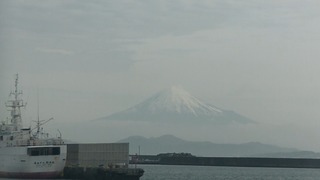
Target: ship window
56 151
43 151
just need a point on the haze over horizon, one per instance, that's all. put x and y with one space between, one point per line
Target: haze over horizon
90 59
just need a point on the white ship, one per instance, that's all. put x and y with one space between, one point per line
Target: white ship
28 152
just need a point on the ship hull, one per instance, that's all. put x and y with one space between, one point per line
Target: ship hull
33 162
31 175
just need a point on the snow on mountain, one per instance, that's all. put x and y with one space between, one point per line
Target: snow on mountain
176 100
176 104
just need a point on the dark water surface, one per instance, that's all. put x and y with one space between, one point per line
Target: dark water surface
160 172
163 172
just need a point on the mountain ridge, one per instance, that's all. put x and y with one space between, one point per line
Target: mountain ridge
169 144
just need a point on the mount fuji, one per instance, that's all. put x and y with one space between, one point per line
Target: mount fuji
177 105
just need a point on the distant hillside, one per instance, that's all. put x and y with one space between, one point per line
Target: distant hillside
177 105
169 143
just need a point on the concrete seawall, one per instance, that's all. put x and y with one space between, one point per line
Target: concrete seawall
228 161
242 162
100 161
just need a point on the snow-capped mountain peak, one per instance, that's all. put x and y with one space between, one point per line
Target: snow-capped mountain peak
176 104
176 99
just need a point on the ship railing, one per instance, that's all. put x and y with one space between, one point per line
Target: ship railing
45 142
19 143
38 142
23 143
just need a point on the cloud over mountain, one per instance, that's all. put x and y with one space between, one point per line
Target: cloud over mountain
177 105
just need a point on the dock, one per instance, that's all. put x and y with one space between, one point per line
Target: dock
188 159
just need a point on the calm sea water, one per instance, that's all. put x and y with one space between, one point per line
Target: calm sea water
162 172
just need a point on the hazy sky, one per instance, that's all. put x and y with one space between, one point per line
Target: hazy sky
89 59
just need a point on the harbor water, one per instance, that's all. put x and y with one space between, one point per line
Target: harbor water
165 172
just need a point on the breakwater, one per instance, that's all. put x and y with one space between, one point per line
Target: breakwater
231 161
243 162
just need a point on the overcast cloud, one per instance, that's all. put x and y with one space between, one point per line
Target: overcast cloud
90 59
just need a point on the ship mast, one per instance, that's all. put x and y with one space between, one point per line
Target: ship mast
15 106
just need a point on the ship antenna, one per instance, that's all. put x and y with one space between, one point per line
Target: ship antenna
39 122
16 88
38 113
60 134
